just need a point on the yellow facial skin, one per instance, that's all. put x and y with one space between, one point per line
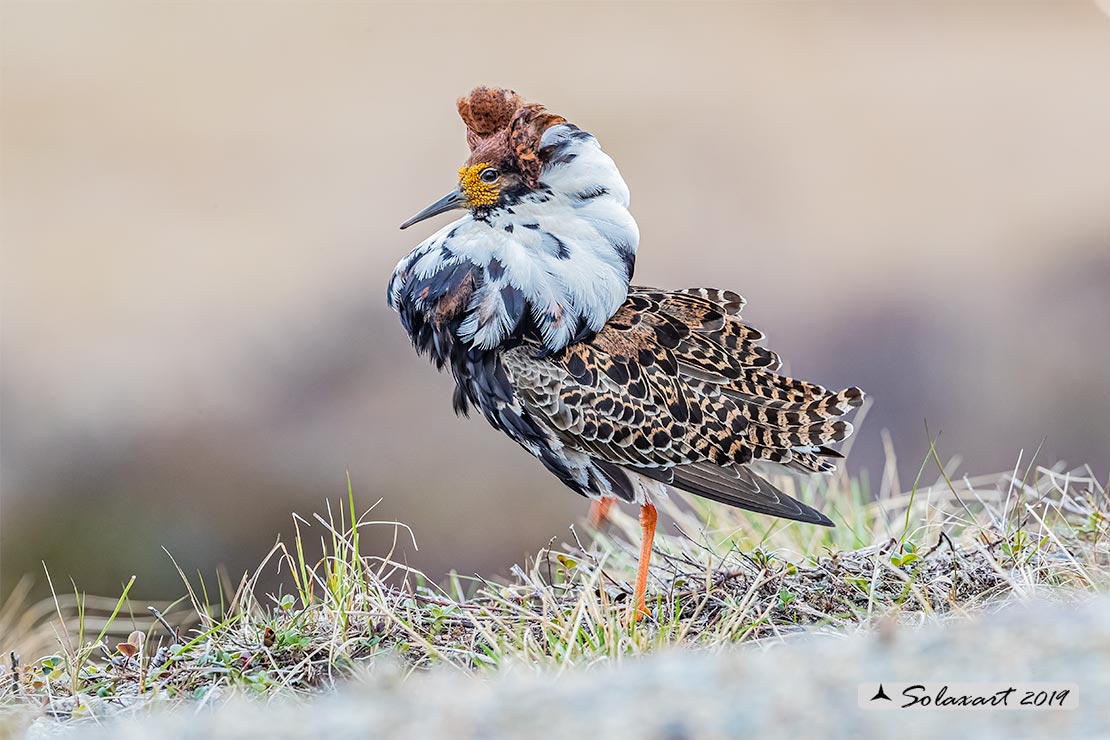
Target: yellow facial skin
478 193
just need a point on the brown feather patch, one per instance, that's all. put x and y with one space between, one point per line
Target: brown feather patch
501 126
487 111
453 304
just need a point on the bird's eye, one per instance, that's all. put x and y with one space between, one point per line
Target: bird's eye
489 174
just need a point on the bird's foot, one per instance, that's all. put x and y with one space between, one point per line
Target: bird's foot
648 518
599 512
636 613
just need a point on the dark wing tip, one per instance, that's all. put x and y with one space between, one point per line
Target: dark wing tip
740 487
822 520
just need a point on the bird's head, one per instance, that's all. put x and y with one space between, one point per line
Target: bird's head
506 154
548 232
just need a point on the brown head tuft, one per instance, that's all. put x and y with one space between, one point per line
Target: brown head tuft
488 110
501 126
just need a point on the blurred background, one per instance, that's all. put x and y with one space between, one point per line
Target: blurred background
200 210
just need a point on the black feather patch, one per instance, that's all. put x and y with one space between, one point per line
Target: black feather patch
515 303
618 480
431 288
579 370
495 269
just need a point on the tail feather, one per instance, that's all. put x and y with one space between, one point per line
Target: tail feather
738 486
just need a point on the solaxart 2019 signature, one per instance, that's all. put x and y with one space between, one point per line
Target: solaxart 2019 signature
918 695
968 696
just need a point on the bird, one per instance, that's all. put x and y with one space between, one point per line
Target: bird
621 391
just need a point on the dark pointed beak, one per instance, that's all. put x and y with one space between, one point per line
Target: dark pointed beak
455 199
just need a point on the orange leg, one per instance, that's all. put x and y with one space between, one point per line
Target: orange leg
599 512
648 517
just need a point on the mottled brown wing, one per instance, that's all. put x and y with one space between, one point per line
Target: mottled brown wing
677 388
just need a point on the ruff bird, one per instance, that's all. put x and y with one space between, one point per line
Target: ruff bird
621 391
